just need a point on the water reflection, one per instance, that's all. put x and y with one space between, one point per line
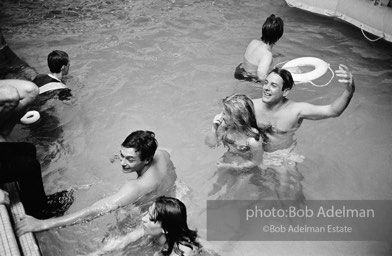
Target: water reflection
273 182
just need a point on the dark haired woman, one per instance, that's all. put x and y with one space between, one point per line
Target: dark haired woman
166 223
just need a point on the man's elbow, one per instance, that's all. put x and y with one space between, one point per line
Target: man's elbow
335 113
30 89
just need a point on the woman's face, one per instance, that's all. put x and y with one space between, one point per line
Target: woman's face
227 118
150 226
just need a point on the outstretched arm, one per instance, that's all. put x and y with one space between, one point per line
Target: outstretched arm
119 243
128 194
336 108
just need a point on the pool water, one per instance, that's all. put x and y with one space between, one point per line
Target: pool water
164 65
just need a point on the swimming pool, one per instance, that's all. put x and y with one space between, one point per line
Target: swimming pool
164 66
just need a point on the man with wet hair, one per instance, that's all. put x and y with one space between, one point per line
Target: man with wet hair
258 55
138 154
280 117
58 63
52 84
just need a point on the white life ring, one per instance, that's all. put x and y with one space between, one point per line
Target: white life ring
30 117
320 68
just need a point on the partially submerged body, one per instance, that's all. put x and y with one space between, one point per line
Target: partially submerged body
281 117
256 62
280 126
156 176
237 130
166 223
258 55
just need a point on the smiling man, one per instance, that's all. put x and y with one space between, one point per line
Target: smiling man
139 154
281 117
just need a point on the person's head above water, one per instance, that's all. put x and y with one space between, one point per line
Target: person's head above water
168 217
286 76
239 111
58 61
138 149
272 30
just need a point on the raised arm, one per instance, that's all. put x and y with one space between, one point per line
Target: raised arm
128 194
336 108
212 138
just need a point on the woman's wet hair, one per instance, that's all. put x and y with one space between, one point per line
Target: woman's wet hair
272 29
241 110
143 142
286 76
56 60
171 213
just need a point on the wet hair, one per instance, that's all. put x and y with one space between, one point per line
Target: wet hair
241 110
286 76
56 60
272 29
143 142
171 213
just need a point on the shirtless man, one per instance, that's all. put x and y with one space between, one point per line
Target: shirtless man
258 55
281 117
155 176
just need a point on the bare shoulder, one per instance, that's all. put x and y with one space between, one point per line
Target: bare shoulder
257 104
297 105
161 162
161 155
297 108
254 43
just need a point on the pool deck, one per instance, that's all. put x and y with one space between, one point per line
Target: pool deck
10 244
